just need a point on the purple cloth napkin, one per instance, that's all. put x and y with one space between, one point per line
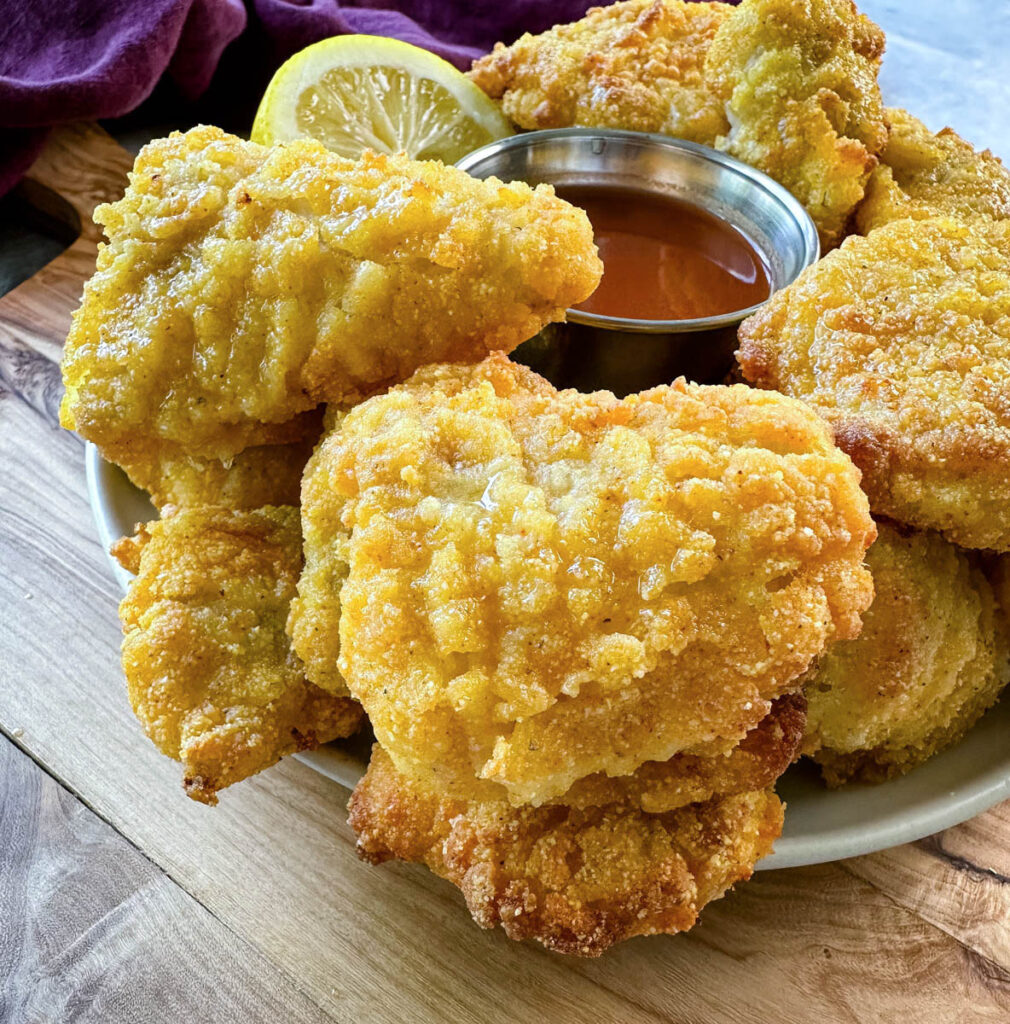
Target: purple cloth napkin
67 60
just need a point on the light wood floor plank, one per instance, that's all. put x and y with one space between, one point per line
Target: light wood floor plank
93 932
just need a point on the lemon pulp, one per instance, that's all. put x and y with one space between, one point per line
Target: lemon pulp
358 92
387 110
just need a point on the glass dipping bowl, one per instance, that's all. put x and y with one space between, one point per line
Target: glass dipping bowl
591 351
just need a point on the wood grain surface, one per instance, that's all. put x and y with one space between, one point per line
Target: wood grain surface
95 932
263 897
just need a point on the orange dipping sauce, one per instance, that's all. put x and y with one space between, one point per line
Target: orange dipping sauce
664 259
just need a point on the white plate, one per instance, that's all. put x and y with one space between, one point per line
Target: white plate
821 825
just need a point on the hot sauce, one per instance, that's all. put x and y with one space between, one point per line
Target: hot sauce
665 259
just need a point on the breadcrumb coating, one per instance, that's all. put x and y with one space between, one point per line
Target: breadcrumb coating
575 880
933 655
925 175
997 571
901 340
660 786
799 81
264 475
243 285
527 587
788 86
636 65
210 671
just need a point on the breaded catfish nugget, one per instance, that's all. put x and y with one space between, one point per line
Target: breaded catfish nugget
660 786
799 80
932 657
924 175
530 586
243 285
210 671
576 880
263 475
901 340
788 86
636 65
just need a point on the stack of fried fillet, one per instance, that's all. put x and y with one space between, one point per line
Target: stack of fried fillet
241 288
585 630
579 627
901 341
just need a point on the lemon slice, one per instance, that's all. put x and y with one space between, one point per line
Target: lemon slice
360 92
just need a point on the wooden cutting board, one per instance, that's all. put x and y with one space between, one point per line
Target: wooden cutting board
259 910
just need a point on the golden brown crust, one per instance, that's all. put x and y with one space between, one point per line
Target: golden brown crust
997 571
210 671
925 175
901 341
263 475
576 880
799 80
635 65
175 476
243 285
788 86
531 586
932 656
660 786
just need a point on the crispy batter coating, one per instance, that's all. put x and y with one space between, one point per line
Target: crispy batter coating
264 475
932 656
659 786
576 880
533 586
210 671
788 86
656 787
635 65
243 285
925 175
997 570
799 80
901 340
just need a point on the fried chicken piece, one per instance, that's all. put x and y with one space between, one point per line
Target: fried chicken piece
788 86
267 474
210 671
901 340
799 81
997 571
933 655
660 786
925 175
264 475
635 65
527 587
243 285
576 880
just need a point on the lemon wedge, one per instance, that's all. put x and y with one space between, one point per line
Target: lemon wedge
359 92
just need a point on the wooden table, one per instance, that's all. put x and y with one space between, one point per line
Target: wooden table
121 900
